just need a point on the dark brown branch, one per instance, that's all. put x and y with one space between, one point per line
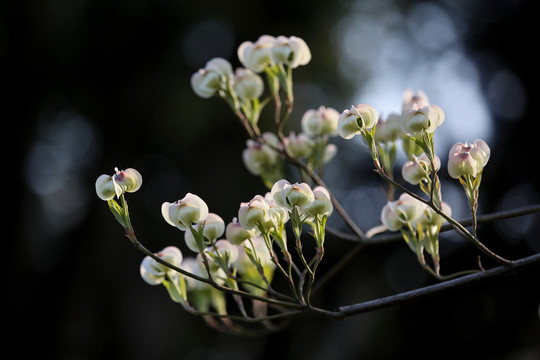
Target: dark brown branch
407 297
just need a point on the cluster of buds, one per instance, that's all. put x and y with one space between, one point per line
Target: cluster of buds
269 51
262 156
466 163
222 252
418 221
240 88
312 143
268 214
419 225
243 87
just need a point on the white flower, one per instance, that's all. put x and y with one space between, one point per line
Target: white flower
213 77
153 272
236 234
301 145
321 204
247 84
418 169
429 218
259 157
397 213
292 51
183 213
414 99
358 118
129 180
322 121
389 129
256 56
290 195
468 159
427 118
254 212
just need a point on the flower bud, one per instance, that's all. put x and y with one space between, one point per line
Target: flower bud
213 77
301 146
247 84
259 157
256 56
388 130
357 119
213 228
253 212
153 272
321 204
397 213
430 218
291 195
322 121
236 234
414 99
292 51
183 213
418 169
427 118
278 214
129 180
468 159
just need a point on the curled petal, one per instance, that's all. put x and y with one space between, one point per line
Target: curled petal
105 187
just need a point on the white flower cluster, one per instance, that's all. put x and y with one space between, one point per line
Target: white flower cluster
262 158
218 76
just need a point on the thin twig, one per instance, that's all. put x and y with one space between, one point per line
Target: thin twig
409 296
391 237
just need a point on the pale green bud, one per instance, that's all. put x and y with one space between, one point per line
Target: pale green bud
292 51
236 234
254 212
418 169
321 204
247 84
397 213
301 146
256 56
322 121
213 77
427 118
357 119
153 272
183 213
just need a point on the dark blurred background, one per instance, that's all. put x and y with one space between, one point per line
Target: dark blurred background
91 85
